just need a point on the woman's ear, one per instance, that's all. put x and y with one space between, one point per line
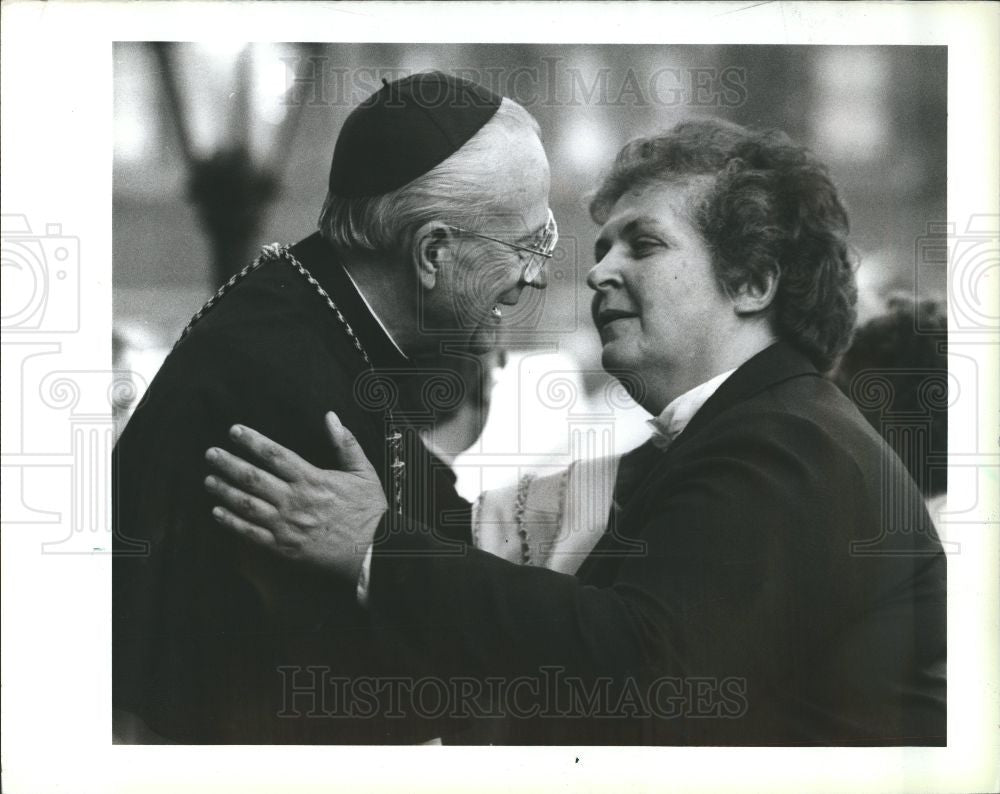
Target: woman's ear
756 294
432 248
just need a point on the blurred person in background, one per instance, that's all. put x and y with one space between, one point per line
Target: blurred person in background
724 289
459 403
904 350
437 217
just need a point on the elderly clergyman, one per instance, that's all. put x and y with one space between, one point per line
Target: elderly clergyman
772 577
437 217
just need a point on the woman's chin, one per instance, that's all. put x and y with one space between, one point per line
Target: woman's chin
614 356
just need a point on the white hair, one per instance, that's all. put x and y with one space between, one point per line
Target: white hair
458 191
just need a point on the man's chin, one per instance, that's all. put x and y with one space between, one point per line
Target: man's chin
483 339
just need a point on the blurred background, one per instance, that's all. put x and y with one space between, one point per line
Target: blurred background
221 148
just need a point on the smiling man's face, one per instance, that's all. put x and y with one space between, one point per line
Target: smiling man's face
657 305
484 275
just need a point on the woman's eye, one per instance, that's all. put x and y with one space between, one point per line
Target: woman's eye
644 245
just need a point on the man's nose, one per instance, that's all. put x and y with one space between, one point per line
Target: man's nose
512 296
541 281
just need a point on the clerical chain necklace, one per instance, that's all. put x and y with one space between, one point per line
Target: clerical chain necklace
278 251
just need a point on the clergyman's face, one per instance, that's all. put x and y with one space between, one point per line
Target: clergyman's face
488 274
657 306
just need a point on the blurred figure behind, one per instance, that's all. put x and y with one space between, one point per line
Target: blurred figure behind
896 372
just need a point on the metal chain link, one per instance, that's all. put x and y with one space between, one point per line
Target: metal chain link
274 252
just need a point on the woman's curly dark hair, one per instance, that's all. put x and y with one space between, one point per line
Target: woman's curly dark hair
770 208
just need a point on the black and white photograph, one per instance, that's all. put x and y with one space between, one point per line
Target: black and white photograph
622 396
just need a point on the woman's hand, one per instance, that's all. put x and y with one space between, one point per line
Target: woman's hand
278 500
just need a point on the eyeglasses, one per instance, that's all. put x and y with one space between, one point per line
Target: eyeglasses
539 250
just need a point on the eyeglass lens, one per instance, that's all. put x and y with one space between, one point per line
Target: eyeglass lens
548 238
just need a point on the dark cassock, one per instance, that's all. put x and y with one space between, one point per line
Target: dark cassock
771 578
218 642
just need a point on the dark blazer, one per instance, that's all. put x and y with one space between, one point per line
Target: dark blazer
214 641
772 578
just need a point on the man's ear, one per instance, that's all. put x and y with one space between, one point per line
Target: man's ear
432 248
756 294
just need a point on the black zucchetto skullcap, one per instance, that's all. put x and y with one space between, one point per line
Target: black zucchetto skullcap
405 129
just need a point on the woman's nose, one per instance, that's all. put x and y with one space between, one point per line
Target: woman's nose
604 272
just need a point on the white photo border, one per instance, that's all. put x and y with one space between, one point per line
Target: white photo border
57 158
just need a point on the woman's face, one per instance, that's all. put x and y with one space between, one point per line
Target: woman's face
658 307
